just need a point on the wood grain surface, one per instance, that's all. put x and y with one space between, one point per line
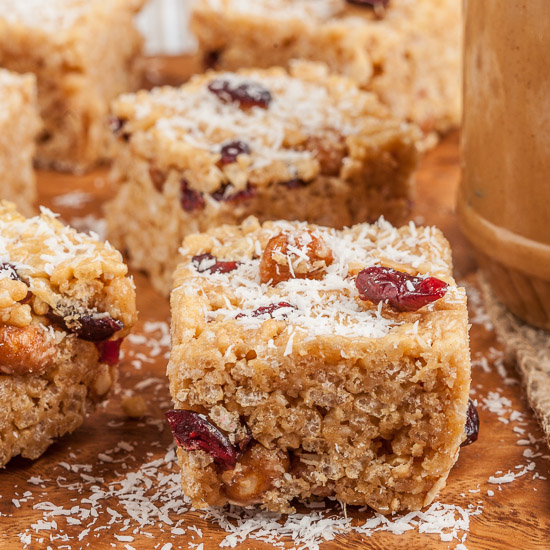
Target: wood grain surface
92 477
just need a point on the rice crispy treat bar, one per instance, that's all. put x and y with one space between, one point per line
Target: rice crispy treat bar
19 126
65 306
407 51
297 371
84 53
302 145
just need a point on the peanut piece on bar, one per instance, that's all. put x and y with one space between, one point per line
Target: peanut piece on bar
254 475
298 255
28 350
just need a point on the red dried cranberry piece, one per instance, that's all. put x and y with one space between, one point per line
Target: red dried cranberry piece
247 94
190 199
210 264
222 195
109 351
9 269
231 150
92 327
295 183
402 291
370 3
471 428
194 432
268 310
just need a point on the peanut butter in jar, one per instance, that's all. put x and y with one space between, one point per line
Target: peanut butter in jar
504 196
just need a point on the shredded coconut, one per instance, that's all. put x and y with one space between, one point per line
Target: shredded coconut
195 116
329 305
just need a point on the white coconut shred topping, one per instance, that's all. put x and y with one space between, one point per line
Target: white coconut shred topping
196 116
36 244
329 305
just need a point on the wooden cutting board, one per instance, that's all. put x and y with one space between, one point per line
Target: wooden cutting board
113 483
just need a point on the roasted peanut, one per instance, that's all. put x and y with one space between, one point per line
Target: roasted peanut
134 406
27 350
297 255
254 475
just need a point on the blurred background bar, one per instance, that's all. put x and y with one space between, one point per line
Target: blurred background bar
164 24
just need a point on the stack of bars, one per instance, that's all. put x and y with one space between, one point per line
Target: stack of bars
65 306
317 351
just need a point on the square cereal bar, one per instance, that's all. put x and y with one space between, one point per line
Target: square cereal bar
65 306
84 53
408 52
310 362
19 126
302 145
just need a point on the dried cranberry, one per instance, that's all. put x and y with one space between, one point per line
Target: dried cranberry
222 193
471 428
95 328
231 150
9 270
190 199
246 94
402 291
92 327
370 3
210 264
268 310
194 432
295 183
109 351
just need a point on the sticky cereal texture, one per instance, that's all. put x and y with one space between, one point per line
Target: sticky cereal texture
65 306
319 150
70 46
343 397
19 126
388 51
